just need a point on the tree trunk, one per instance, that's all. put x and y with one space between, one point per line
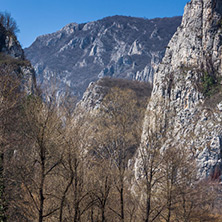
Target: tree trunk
148 207
103 215
122 203
63 199
2 190
41 188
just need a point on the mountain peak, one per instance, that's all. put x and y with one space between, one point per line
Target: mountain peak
197 36
70 27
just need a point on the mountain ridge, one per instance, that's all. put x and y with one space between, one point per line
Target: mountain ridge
118 46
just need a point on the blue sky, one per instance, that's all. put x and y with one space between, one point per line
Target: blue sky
38 17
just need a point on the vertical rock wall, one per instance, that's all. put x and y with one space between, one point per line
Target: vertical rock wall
191 119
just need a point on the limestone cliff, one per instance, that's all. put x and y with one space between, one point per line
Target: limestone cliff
183 99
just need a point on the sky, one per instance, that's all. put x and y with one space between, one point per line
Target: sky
38 17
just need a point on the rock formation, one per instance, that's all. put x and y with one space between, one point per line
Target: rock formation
186 97
12 58
95 93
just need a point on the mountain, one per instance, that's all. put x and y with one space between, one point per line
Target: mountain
186 98
89 162
118 46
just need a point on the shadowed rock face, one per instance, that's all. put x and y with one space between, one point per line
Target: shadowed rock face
10 45
12 58
118 46
193 118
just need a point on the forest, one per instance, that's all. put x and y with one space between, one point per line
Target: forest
62 163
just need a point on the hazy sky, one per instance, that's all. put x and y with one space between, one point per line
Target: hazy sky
37 17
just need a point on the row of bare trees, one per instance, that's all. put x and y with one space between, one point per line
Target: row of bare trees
68 166
9 99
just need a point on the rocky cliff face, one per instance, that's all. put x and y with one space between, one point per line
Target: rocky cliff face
10 45
119 46
12 61
183 98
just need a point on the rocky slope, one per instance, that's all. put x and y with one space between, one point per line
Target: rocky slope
118 46
95 93
12 61
186 97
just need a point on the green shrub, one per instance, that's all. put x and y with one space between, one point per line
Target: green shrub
210 84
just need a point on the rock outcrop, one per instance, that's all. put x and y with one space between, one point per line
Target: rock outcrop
186 96
118 46
12 60
95 93
9 44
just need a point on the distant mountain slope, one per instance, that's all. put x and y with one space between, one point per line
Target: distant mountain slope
117 46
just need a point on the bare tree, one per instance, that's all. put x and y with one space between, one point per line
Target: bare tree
75 193
150 175
178 169
10 97
37 158
101 179
119 133
8 23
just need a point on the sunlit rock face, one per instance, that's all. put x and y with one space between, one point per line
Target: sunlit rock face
118 46
180 99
